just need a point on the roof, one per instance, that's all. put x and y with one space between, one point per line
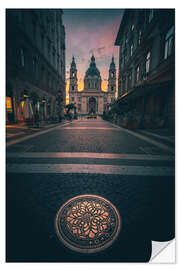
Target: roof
92 70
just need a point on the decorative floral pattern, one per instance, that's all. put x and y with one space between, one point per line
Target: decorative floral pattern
88 223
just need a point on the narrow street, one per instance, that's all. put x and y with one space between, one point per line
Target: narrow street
133 171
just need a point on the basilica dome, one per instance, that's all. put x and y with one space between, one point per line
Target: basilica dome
92 70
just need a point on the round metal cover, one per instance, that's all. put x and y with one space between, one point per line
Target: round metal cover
88 223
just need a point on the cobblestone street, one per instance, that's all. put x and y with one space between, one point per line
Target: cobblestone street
133 171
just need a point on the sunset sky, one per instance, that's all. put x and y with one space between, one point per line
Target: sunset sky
91 31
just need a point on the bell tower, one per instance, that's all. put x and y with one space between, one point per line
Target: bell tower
112 77
73 86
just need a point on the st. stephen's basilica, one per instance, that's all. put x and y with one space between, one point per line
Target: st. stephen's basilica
92 99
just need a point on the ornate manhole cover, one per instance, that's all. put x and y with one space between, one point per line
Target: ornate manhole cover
88 223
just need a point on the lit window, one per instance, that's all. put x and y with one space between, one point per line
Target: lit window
148 62
22 57
137 74
151 15
132 27
169 40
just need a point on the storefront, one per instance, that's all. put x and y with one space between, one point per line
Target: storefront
9 104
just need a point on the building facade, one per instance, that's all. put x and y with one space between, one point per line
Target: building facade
35 63
146 67
92 99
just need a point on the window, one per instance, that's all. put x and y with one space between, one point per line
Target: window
72 98
34 31
151 15
105 99
139 37
148 62
125 57
49 49
72 87
112 88
35 66
124 84
22 57
42 42
112 74
19 16
137 74
43 74
79 107
112 99
79 99
129 80
132 47
48 80
58 63
132 27
47 24
169 40
53 55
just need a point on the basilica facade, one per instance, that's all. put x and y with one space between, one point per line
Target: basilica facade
92 99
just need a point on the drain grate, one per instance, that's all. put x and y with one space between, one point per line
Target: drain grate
88 223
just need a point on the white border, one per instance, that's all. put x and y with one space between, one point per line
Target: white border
65 4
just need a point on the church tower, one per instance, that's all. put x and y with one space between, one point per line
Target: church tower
112 78
73 86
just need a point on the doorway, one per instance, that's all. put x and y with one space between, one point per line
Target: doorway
92 105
